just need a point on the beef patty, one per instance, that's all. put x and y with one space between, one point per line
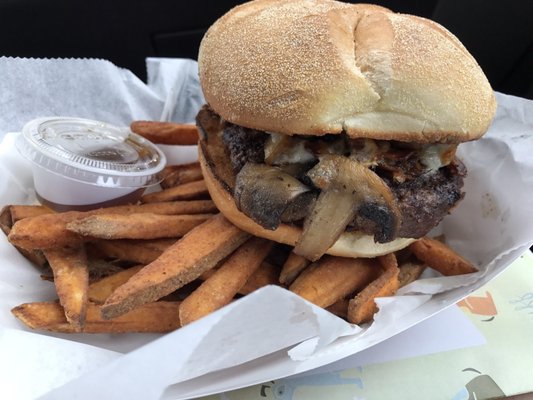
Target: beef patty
423 199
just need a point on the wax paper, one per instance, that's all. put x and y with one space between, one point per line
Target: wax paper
271 333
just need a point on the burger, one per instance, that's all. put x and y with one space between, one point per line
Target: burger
333 127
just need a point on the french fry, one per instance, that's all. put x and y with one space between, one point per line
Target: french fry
440 257
199 250
186 191
363 306
71 279
166 132
156 317
50 230
136 226
410 271
99 291
174 175
219 289
138 251
292 268
333 278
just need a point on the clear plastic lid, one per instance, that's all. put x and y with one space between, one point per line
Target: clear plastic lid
92 152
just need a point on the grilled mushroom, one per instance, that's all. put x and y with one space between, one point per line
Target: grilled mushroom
348 188
265 193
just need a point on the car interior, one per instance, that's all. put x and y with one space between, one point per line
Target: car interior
498 34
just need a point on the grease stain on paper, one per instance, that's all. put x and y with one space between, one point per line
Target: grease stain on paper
489 207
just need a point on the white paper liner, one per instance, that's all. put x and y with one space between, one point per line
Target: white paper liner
31 354
273 332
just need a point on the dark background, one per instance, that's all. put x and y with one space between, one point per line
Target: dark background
498 33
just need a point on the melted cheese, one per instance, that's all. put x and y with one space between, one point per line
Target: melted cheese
292 150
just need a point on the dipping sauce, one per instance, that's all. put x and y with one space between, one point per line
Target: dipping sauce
80 164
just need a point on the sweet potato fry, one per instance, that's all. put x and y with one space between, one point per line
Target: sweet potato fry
166 132
34 256
13 213
186 207
219 289
339 308
99 291
333 278
50 231
174 175
363 306
19 212
388 261
266 274
99 268
292 268
136 226
161 316
138 251
71 279
410 271
201 249
5 220
45 231
187 191
440 257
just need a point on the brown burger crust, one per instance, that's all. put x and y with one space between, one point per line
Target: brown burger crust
350 244
322 66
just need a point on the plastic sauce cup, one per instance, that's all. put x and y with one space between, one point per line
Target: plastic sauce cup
80 164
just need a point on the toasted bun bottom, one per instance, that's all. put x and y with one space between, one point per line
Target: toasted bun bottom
349 244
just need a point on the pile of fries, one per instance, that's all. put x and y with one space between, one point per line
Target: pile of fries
172 259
